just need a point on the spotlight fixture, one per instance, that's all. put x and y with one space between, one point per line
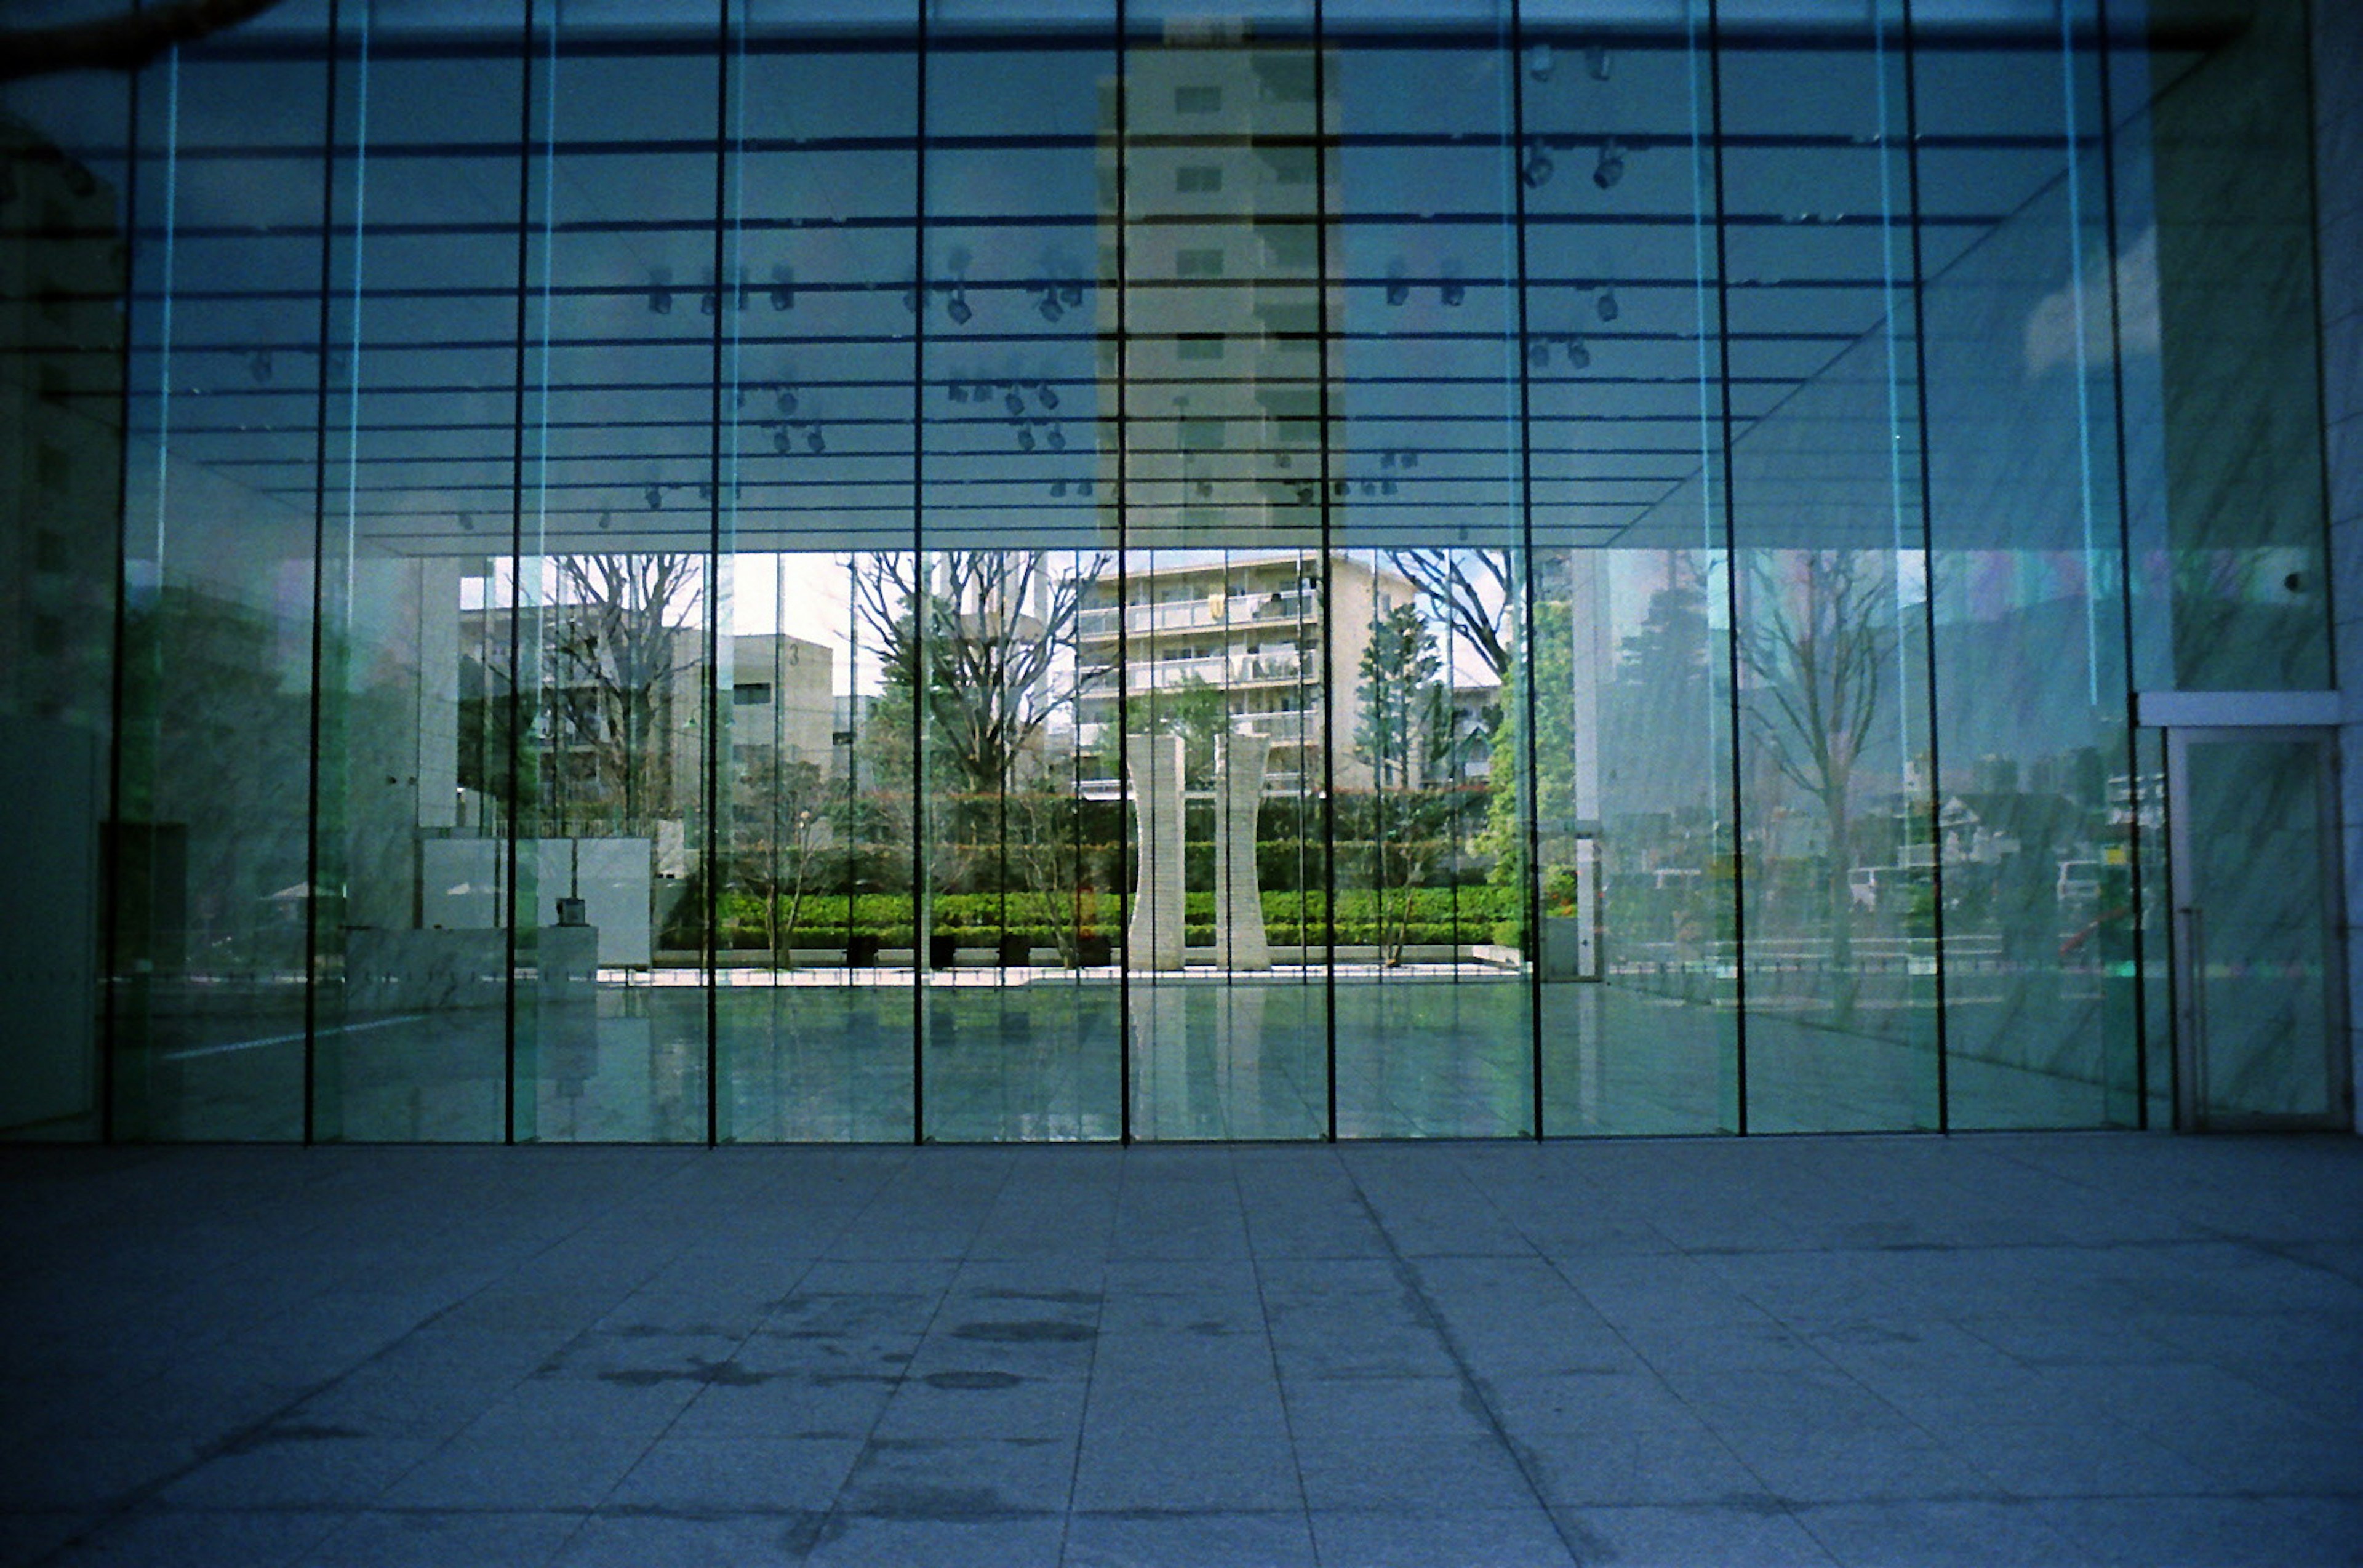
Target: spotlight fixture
257 365
1024 438
660 291
958 310
1205 490
467 523
1611 168
1599 63
1409 460
1057 438
959 392
1071 295
911 299
1370 487
783 288
1386 486
654 495
604 518
783 440
1049 307
1345 488
709 301
787 399
1013 403
705 490
812 443
1452 293
1048 393
1398 289
1058 487
1538 168
1083 488
1577 354
1386 459
1539 62
1606 305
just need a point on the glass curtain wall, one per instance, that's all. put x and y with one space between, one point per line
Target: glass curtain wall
757 571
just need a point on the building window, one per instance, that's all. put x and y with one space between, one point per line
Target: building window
1197 100
1207 263
1198 177
752 694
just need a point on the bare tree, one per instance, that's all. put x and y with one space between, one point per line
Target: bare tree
1815 641
617 650
987 626
125 41
1477 591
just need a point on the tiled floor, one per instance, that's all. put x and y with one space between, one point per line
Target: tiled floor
2007 1348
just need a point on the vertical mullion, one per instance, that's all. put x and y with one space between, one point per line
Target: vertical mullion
513 718
1730 572
725 306
920 934
1928 546
112 838
315 726
1325 226
2134 846
1529 827
1121 502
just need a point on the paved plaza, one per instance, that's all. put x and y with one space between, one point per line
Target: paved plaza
2058 1349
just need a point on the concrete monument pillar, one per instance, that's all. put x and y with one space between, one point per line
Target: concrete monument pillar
1154 939
1239 942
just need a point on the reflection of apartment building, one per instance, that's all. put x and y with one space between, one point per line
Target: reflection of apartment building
1219 378
1251 627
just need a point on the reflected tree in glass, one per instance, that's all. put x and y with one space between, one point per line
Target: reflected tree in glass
1815 649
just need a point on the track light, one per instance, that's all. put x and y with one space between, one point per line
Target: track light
1398 291
257 365
660 291
1386 486
706 492
787 399
1084 488
1057 440
1049 307
812 443
1013 403
1606 305
1071 295
1048 393
1539 62
1058 487
958 310
1538 355
958 390
783 288
1024 438
467 523
1611 165
654 495
1599 63
1408 459
1577 354
783 440
1452 293
1538 168
911 299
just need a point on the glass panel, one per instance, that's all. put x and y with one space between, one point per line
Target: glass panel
607 616
412 984
1434 1038
1629 654
814 1005
1839 868
2029 663
2258 933
2216 275
215 892
1215 636
63 279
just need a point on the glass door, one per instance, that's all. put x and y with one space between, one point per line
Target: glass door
2259 988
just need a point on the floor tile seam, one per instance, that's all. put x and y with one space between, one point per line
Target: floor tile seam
1471 1385
1272 1354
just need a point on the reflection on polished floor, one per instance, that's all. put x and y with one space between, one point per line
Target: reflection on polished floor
1040 1055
